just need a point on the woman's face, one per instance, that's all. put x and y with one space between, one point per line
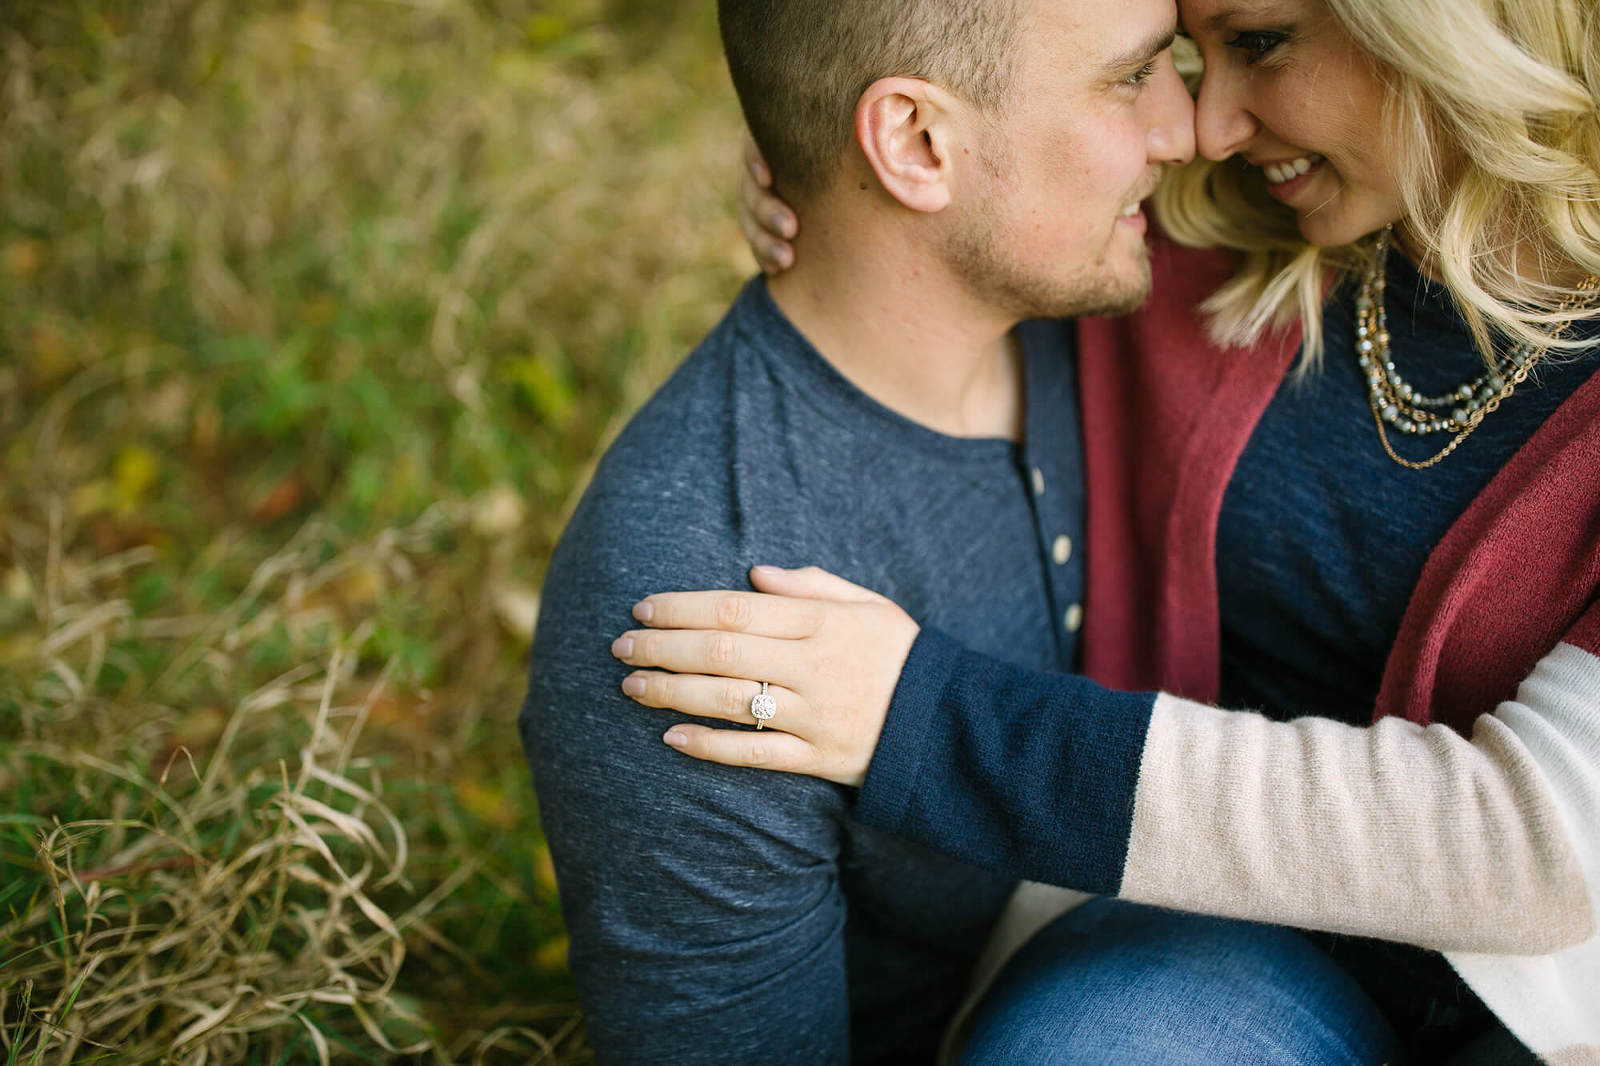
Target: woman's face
1286 88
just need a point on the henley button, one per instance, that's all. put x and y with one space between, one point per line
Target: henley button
1061 550
1038 482
1074 618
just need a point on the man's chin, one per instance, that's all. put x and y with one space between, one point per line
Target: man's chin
1118 295
1122 303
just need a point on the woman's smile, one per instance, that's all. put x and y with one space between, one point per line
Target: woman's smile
1286 178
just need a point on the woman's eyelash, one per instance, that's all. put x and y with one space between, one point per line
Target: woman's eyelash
1255 44
1140 76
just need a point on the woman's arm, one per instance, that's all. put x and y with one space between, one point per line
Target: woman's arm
1484 844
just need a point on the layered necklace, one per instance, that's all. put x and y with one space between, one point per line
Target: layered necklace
1398 406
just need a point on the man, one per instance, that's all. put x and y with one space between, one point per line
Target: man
880 412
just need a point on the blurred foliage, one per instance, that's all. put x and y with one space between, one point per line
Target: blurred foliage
315 317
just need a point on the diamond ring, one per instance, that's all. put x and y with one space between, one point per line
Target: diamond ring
763 706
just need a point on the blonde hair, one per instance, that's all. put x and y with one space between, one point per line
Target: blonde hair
1502 94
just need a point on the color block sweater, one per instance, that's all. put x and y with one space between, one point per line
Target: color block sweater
1465 818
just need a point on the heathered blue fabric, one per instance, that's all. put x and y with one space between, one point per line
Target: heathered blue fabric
721 915
1322 536
1018 771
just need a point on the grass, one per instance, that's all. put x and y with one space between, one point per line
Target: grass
317 314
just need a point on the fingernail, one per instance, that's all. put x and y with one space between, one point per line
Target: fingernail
644 610
676 739
769 571
622 647
633 685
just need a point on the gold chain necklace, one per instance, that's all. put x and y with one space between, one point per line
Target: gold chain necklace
1396 404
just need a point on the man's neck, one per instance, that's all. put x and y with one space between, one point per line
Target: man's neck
906 333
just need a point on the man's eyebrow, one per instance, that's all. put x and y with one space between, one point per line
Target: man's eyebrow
1143 52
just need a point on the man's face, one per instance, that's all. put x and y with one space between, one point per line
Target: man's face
1051 224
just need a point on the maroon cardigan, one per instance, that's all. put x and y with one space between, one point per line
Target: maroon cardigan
1166 415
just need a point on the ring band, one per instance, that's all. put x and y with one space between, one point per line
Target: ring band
762 706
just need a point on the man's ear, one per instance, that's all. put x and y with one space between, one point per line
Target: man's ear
904 128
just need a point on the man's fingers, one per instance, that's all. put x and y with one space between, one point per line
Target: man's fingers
695 651
767 750
734 612
725 698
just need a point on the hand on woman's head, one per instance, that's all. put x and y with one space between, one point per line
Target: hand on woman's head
768 223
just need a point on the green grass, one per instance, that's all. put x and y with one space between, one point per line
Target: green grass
317 315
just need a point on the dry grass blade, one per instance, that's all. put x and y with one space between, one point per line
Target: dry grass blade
317 313
196 977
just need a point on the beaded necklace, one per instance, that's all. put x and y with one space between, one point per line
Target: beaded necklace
1397 404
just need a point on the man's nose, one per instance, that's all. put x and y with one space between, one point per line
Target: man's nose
1223 124
1172 134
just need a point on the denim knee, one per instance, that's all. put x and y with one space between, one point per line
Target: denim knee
1114 982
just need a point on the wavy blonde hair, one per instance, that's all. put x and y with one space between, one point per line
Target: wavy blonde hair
1499 173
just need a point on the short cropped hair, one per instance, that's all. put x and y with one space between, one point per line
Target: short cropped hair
799 67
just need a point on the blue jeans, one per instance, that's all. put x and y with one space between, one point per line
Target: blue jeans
1114 982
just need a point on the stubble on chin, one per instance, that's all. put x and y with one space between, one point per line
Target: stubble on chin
983 259
983 256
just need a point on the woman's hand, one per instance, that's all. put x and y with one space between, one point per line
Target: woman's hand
769 224
831 652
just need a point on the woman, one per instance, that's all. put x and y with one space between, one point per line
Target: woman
1385 553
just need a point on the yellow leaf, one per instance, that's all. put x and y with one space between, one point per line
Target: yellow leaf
487 802
542 29
132 475
552 954
544 869
361 586
546 384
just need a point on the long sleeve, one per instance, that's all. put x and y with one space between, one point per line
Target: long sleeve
1481 844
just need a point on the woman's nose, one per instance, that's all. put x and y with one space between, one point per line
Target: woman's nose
1223 123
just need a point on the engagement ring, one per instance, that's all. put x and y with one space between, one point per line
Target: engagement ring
763 706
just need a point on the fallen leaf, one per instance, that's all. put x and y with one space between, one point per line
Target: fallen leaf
132 474
282 498
360 587
23 258
552 954
497 512
517 607
544 869
487 802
